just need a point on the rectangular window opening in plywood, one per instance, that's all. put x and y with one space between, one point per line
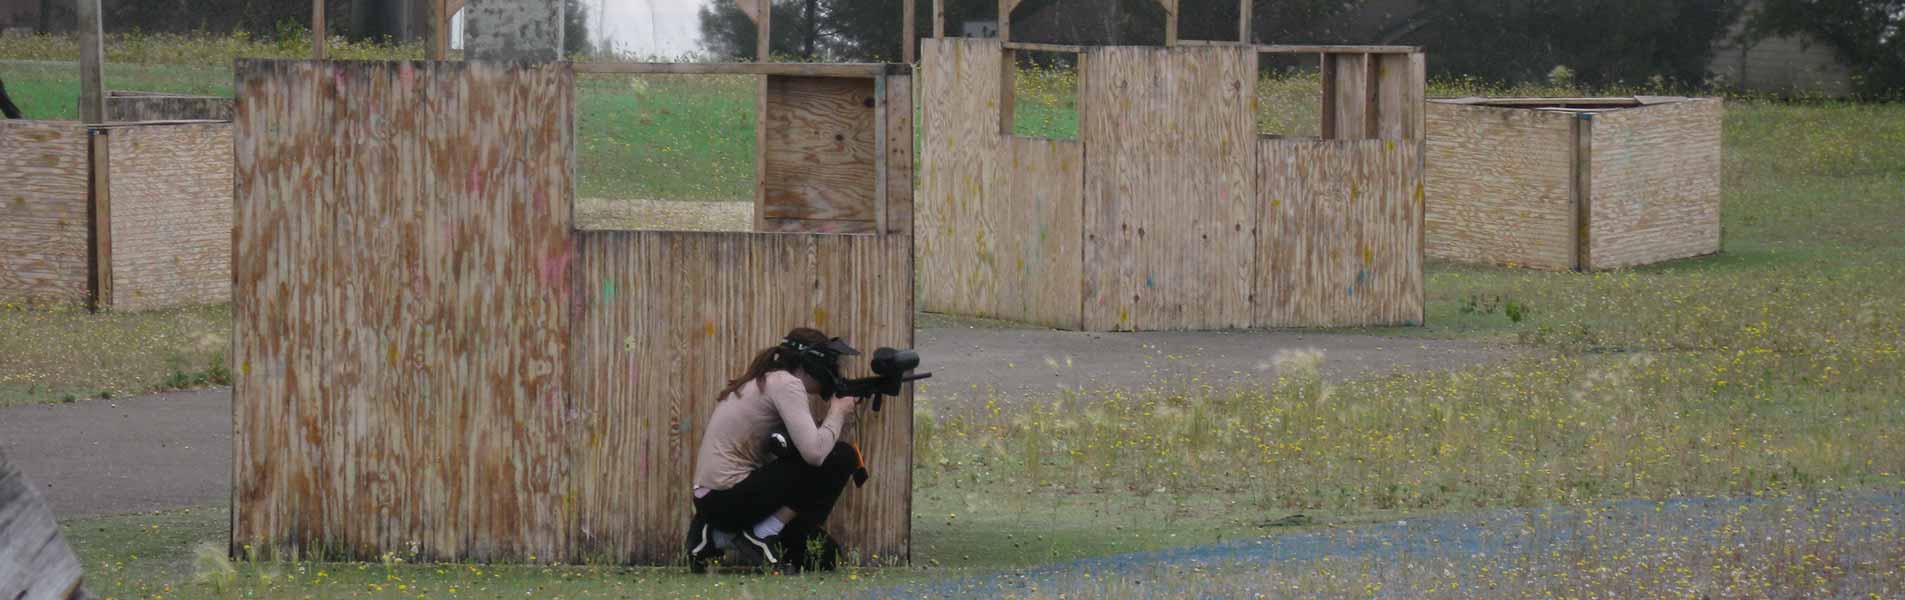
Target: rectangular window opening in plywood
1214 21
1289 96
666 151
1042 94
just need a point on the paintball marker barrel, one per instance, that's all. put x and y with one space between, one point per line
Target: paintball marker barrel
890 373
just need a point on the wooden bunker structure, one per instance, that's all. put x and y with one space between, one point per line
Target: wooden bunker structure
432 360
120 215
1573 183
1170 211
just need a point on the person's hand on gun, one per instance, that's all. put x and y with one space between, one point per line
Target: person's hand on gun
843 404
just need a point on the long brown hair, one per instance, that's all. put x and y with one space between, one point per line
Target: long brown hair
773 358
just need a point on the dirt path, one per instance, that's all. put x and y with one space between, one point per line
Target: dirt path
174 450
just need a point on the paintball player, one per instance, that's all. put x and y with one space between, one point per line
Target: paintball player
767 476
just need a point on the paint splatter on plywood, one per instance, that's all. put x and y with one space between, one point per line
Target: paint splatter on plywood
171 214
43 211
1340 233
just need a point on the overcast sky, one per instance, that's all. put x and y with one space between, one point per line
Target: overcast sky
662 28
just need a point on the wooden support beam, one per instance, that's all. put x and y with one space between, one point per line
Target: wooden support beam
1326 49
860 70
317 30
907 41
1326 70
1581 190
1170 21
1008 71
439 32
99 212
1005 19
939 19
764 34
92 62
1069 48
1243 20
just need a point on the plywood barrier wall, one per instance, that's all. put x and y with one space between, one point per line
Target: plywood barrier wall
1342 223
664 319
171 194
432 361
402 310
1656 184
1168 135
1500 184
1589 184
1174 226
43 211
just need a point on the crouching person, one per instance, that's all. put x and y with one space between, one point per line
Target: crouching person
767 476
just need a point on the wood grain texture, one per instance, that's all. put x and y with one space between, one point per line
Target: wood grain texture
1498 186
1339 240
1346 96
1169 143
820 148
123 106
35 562
899 153
44 174
171 193
401 255
1656 184
958 169
664 319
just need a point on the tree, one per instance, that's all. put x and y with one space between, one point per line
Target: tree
575 29
1602 41
1868 36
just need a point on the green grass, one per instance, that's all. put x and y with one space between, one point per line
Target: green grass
64 354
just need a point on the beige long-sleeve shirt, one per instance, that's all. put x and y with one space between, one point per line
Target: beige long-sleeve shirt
734 443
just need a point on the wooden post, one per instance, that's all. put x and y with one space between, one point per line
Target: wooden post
99 213
939 19
1008 72
1005 20
763 52
763 32
317 30
92 63
1581 190
1243 23
439 30
1170 22
906 35
38 564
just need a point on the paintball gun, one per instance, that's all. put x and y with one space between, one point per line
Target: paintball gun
891 370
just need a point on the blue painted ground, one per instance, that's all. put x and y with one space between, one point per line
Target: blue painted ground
1505 537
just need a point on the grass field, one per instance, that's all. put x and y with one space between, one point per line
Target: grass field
1773 369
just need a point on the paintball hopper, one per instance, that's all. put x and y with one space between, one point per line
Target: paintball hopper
892 369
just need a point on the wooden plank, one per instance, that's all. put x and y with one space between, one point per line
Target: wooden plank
1539 102
401 309
863 70
35 562
1326 71
1581 190
819 149
1168 204
92 62
1005 19
171 215
1243 20
880 155
1339 236
831 226
100 259
665 318
908 40
123 106
1170 21
437 30
1346 97
939 19
899 154
318 38
1371 99
1498 182
1329 49
763 32
1655 187
1046 47
45 208
1008 93
960 161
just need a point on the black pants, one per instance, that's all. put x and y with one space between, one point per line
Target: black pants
809 490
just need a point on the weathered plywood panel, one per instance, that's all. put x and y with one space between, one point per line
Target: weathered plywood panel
171 191
959 177
899 153
1339 239
1169 142
1498 184
820 149
1656 184
43 211
152 106
35 562
401 257
1038 252
664 319
1400 96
